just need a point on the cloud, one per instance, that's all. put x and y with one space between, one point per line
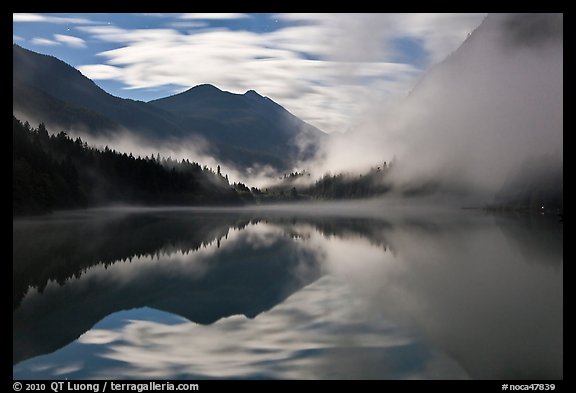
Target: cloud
47 18
101 71
365 37
156 14
473 120
43 41
186 24
17 38
74 42
214 16
71 41
324 68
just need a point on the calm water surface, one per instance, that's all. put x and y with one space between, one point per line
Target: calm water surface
317 293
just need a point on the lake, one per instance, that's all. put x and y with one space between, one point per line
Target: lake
327 291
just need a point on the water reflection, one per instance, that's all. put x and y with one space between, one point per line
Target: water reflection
165 294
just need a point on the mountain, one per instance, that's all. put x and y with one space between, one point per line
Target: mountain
243 130
56 85
237 123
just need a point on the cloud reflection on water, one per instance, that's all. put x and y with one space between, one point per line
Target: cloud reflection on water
402 299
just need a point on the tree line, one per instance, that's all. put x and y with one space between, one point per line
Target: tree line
58 172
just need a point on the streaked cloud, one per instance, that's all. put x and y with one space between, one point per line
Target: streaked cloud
74 42
155 14
28 17
43 41
186 24
321 67
214 16
365 36
102 71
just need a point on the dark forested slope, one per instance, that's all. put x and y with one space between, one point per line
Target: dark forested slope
57 172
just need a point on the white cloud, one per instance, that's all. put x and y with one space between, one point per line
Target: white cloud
101 71
214 16
28 17
472 122
324 69
74 42
186 24
156 14
364 36
43 41
17 38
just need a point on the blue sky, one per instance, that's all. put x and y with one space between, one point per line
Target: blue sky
325 68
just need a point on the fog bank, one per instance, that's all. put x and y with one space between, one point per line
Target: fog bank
474 118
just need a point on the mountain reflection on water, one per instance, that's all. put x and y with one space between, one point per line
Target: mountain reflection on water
264 293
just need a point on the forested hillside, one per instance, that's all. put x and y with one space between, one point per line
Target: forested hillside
56 172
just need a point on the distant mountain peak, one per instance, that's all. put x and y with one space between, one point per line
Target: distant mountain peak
204 87
208 89
253 93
